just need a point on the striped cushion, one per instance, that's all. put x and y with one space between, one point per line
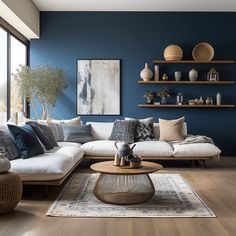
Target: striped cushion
77 133
57 131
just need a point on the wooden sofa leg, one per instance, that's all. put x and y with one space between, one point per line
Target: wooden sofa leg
46 191
204 163
190 163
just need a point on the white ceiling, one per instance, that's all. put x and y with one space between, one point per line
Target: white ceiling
136 5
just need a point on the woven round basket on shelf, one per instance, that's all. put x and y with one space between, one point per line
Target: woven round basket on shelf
203 52
10 191
173 53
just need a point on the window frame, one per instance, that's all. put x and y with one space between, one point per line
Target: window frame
13 32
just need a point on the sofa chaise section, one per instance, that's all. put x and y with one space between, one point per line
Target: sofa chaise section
50 168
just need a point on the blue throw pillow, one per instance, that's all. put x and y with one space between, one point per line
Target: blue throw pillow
42 137
26 141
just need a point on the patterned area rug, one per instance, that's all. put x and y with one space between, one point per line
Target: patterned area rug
173 198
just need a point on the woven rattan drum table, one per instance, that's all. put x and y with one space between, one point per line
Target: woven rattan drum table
123 186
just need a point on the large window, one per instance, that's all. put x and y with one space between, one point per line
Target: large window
13 53
3 76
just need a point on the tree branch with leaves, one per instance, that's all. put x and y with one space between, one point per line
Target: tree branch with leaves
44 84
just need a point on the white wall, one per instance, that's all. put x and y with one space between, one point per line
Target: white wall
23 15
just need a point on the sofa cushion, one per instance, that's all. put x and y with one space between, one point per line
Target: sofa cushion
48 132
99 148
101 130
57 131
107 148
196 150
144 129
26 141
8 145
52 165
171 130
153 148
156 130
123 130
48 144
77 133
144 132
73 121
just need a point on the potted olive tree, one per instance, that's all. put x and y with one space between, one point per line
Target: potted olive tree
43 84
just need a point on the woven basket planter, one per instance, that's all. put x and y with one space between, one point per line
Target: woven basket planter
10 191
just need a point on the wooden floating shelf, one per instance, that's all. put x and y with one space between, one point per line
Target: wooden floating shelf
194 62
185 82
185 106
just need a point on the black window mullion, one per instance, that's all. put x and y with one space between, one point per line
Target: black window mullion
8 75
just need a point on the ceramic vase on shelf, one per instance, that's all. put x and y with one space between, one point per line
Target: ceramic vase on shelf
156 73
218 99
146 74
193 74
5 164
177 75
163 100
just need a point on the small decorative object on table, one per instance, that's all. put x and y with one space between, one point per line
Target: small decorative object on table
193 74
134 161
123 150
213 75
146 74
149 97
164 93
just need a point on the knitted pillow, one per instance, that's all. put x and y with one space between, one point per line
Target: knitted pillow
144 129
123 130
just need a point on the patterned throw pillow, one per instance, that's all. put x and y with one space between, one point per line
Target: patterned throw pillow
8 145
144 129
123 130
144 132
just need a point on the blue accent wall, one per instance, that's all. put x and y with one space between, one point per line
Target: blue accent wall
136 38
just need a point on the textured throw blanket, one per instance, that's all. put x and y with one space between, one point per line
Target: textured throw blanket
196 139
189 139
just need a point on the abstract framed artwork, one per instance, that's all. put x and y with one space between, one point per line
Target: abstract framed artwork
98 87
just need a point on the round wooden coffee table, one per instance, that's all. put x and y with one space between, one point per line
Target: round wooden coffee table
123 186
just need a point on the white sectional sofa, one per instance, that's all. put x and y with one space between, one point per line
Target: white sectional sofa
101 148
52 167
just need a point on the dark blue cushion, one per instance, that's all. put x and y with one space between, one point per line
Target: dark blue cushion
26 141
42 137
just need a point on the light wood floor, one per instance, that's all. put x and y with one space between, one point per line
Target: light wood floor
215 185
